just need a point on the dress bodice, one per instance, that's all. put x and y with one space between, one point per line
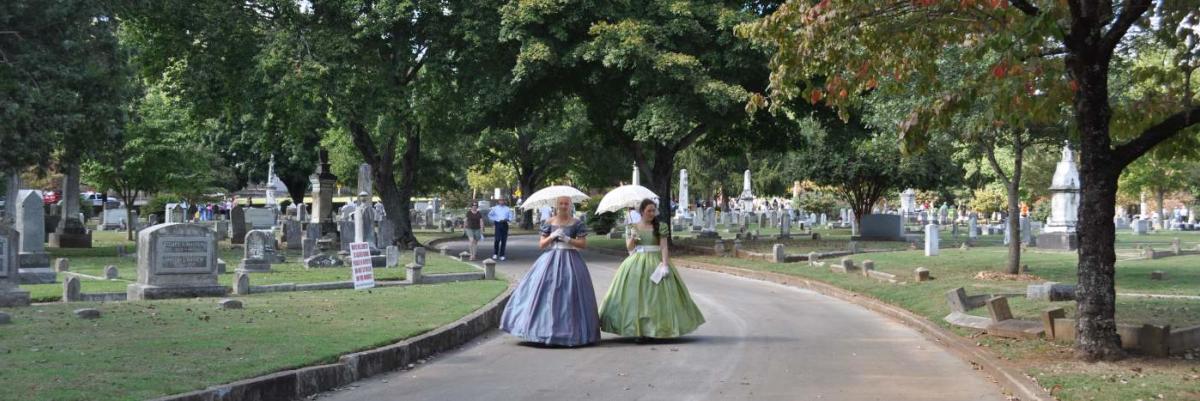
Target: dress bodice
574 230
646 235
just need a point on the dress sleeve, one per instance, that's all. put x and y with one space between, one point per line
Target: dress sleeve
662 230
546 229
581 230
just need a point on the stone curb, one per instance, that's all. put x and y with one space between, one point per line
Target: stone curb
1008 377
303 382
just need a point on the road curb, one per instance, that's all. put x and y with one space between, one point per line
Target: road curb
1011 379
303 382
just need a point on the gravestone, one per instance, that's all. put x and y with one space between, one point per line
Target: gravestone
309 248
778 254
387 233
291 234
881 227
1026 231
238 217
10 293
1050 291
312 231
345 235
322 260
998 309
324 183
419 256
114 219
176 213
973 226
931 240
176 261
257 258
33 263
785 228
1140 226
393 256
258 218
364 226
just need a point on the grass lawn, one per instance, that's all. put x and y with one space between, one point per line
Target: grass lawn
1050 362
104 253
141 350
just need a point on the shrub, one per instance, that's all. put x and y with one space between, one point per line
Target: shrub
599 224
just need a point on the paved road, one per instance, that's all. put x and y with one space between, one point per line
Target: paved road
762 341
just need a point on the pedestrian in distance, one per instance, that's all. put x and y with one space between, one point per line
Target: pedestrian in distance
474 228
500 215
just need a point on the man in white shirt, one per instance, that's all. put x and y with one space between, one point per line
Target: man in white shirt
500 215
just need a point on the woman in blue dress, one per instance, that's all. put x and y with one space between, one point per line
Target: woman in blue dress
554 303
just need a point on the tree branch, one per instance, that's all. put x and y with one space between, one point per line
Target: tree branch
1131 11
1025 7
1130 151
989 149
689 139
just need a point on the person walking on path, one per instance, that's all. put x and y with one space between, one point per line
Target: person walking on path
474 228
555 303
500 215
647 297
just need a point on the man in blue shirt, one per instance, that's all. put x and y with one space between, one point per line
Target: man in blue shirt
500 215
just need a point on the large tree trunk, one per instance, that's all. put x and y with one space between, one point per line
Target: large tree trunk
398 210
526 181
1096 327
297 188
396 199
660 182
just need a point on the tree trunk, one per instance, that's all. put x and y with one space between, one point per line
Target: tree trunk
1096 337
1014 207
297 188
130 220
1160 195
396 199
660 182
398 210
525 181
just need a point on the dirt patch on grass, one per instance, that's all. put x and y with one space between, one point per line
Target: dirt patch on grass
998 276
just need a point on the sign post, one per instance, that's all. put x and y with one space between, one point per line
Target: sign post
360 265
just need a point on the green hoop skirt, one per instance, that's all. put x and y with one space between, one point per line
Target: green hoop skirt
637 307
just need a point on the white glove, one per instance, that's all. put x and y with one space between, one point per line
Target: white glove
558 235
659 273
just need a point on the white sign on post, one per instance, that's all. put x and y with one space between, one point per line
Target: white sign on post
360 265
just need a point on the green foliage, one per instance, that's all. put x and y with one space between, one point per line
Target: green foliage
655 76
816 202
1041 210
152 154
62 80
158 204
599 224
989 200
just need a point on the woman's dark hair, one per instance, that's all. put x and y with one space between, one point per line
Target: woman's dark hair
653 222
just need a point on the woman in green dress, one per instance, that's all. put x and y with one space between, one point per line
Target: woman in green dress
647 297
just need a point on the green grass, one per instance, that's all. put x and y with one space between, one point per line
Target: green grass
104 253
1052 363
141 350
